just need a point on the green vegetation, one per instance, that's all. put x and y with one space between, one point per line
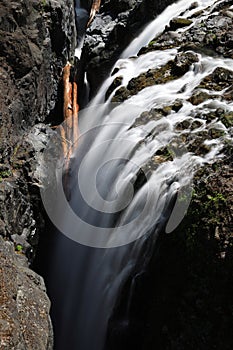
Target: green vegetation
4 174
19 248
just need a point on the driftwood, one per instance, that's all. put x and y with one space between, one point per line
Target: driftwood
95 8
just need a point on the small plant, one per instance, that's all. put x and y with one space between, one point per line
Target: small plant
4 174
216 198
19 248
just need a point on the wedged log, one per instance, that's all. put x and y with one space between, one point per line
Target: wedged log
75 114
69 129
67 95
95 8
70 110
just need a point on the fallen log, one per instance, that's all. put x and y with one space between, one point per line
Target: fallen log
70 111
95 8
69 128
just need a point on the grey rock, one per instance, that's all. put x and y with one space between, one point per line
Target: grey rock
24 312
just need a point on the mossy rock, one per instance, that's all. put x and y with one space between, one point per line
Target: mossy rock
220 79
199 97
184 125
179 22
227 119
174 69
216 133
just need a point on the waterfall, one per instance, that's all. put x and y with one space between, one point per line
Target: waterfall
123 193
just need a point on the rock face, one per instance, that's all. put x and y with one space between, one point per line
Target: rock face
37 38
24 321
118 22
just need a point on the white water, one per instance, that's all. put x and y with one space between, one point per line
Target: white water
88 280
130 67
159 24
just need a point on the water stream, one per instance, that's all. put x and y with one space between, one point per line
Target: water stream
122 195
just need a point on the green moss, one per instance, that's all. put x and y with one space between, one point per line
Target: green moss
179 22
4 174
227 119
151 43
215 199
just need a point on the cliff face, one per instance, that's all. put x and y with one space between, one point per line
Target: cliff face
37 38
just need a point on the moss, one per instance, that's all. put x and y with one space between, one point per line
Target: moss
174 69
4 174
227 119
179 22
151 43
200 97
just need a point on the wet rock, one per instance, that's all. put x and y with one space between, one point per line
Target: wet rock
228 94
211 35
200 97
184 125
117 23
220 79
116 83
177 105
182 63
24 312
179 22
216 133
227 119
171 71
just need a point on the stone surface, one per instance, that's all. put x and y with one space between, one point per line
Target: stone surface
24 320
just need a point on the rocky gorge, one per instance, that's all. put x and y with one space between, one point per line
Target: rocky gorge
185 295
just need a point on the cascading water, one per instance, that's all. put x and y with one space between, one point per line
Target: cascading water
121 194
